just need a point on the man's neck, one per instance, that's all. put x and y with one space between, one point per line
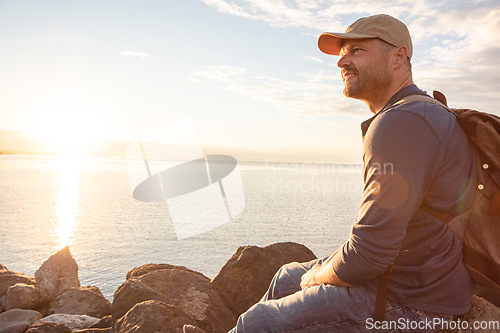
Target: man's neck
380 100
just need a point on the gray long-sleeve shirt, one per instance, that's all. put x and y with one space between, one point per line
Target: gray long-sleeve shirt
412 153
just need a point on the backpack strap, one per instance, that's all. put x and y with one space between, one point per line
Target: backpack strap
439 99
383 286
443 216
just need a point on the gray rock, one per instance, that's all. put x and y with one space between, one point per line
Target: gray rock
190 291
73 322
24 296
18 320
48 327
152 316
82 301
58 273
246 276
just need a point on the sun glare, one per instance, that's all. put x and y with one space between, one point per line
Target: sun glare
68 130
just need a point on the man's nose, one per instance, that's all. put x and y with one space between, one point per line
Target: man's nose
343 61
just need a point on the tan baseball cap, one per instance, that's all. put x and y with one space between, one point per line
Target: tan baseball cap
385 27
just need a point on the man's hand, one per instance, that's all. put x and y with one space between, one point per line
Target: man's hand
313 277
322 274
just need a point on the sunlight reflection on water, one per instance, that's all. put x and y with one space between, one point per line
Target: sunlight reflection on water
67 203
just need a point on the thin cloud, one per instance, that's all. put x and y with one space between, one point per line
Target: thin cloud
464 63
309 14
227 74
313 59
135 54
314 94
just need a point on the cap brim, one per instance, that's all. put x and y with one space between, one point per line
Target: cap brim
331 42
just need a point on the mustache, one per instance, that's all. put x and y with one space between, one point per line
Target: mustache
349 70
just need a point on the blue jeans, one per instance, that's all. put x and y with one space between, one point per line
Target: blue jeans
326 308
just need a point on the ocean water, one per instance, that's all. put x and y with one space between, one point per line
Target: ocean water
47 203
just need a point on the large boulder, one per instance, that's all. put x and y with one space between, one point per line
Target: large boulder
482 312
144 269
246 276
191 291
24 296
82 301
48 327
152 316
105 322
58 273
18 320
489 294
130 293
73 322
10 278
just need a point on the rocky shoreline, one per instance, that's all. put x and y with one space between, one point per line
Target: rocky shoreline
156 297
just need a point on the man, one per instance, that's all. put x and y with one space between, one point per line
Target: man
431 162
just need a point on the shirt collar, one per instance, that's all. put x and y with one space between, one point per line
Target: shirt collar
412 89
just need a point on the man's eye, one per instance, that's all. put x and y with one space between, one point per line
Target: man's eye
356 50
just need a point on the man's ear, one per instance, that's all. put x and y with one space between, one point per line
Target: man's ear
400 55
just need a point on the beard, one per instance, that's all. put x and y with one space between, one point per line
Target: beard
368 82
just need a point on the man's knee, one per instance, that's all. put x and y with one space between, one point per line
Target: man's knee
295 267
290 266
290 269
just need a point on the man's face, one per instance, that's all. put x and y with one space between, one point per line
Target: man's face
364 67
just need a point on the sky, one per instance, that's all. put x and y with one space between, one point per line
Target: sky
247 73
